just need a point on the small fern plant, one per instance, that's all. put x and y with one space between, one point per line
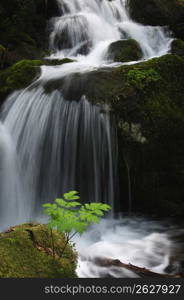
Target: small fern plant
70 217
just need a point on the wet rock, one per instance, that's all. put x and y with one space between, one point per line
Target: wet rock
157 12
177 47
125 51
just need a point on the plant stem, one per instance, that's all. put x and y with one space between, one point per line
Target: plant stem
68 238
52 241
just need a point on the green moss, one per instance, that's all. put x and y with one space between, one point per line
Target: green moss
23 73
141 78
19 75
125 50
26 251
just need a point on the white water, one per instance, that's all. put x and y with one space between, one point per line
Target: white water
91 22
49 145
138 241
13 206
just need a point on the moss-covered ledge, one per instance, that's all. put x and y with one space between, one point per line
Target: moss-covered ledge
26 252
23 73
150 94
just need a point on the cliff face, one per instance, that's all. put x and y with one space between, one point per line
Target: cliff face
149 96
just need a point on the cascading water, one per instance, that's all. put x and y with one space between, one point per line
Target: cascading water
12 197
50 144
61 143
85 25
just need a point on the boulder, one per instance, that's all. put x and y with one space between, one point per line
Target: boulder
23 73
125 51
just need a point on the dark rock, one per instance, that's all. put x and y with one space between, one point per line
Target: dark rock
177 47
57 62
149 94
125 51
24 28
157 12
178 30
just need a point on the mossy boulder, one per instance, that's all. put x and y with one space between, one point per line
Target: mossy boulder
125 51
18 76
23 73
177 47
26 252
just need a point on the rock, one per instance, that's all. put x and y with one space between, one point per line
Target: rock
56 62
157 12
26 251
18 76
177 47
23 73
150 94
125 51
2 56
178 30
24 28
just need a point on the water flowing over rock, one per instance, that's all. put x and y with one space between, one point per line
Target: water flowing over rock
62 143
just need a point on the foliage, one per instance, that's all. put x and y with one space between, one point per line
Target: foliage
70 217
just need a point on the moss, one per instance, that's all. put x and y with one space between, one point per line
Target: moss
177 47
125 50
23 73
19 75
141 78
26 251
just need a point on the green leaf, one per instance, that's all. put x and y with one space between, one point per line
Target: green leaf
67 215
71 195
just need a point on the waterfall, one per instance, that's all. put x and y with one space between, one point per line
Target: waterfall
84 24
50 144
12 198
